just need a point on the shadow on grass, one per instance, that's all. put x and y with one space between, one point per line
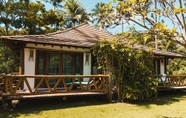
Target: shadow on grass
163 98
35 106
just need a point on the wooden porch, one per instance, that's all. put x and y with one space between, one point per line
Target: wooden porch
171 82
12 86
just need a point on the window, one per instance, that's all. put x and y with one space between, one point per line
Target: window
56 63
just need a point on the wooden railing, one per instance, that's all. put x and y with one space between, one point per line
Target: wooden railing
168 81
13 84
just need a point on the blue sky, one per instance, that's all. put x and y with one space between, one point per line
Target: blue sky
89 4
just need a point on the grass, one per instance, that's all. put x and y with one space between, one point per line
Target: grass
170 104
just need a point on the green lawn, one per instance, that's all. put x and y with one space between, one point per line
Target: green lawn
170 104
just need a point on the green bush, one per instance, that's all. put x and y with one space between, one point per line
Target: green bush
9 61
138 83
131 68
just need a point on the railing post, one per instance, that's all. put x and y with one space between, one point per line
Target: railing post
6 85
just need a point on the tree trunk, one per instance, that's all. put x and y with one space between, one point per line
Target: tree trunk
108 69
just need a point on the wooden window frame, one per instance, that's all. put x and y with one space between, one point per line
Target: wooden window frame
74 54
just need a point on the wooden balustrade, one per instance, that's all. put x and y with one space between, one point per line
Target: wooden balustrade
171 81
12 84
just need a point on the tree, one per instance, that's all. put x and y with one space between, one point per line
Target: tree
103 15
7 13
29 17
9 62
177 66
74 13
144 14
52 18
140 37
34 19
55 3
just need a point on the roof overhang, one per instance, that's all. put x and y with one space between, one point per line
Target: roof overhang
158 52
81 36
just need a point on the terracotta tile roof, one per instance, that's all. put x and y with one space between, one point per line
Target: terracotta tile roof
82 35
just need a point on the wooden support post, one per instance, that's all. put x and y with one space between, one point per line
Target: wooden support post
71 86
79 80
57 83
18 84
39 84
28 85
64 83
48 86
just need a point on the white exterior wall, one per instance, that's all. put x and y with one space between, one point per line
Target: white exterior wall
86 65
29 66
162 67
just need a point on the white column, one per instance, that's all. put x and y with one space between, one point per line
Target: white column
29 66
162 68
86 65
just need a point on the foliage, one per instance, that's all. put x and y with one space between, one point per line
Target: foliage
74 13
150 16
28 18
9 62
7 13
103 15
131 68
138 83
177 66
55 3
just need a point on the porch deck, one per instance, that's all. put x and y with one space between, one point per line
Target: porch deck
13 86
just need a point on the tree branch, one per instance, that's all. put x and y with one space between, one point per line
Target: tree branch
169 16
183 20
139 24
173 20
